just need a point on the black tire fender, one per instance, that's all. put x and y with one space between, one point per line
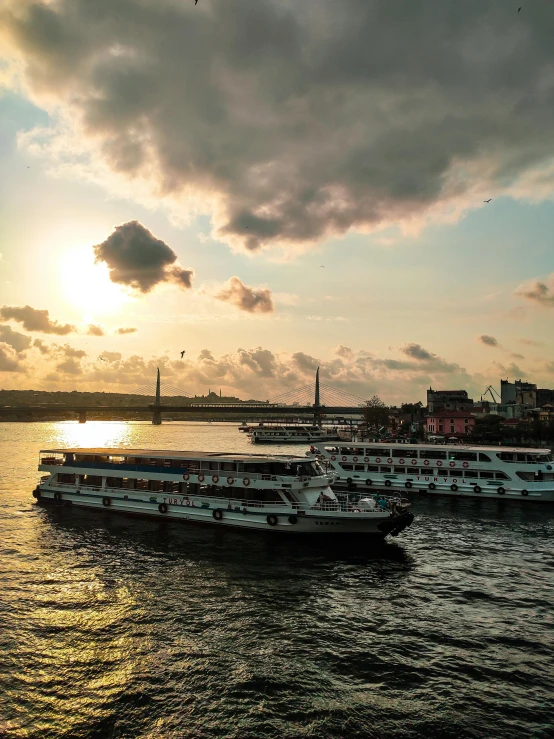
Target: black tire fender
388 483
293 520
162 508
453 487
432 486
501 491
106 502
272 519
218 514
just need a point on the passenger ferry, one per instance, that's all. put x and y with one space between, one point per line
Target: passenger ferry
476 471
288 494
296 434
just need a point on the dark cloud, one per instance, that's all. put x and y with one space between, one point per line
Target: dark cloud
301 119
111 356
17 341
530 342
539 292
126 330
488 340
515 355
246 298
138 259
344 351
35 320
430 361
69 351
416 351
305 362
9 361
261 361
95 330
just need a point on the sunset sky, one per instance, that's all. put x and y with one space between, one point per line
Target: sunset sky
272 185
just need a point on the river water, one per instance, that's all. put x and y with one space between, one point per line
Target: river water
112 626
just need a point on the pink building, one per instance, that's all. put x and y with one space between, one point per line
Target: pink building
449 423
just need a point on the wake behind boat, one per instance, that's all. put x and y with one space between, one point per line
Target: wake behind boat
282 493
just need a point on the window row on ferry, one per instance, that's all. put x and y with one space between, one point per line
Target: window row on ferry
453 456
427 472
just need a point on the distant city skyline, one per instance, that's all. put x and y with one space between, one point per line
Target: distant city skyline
168 186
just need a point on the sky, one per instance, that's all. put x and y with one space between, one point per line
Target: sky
272 186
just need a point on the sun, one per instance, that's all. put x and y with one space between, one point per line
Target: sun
87 285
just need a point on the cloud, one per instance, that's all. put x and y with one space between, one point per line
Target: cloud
515 355
17 341
246 298
41 346
126 330
416 351
430 361
139 260
69 351
111 356
9 361
35 320
539 292
95 330
300 120
305 362
344 351
488 340
531 342
70 367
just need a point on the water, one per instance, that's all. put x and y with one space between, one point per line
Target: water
112 626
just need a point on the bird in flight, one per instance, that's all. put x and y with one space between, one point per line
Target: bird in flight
182 354
517 9
196 2
487 201
322 265
103 359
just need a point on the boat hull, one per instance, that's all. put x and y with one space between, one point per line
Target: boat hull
374 525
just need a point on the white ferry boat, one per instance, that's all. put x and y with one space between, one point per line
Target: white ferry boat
296 434
288 494
476 471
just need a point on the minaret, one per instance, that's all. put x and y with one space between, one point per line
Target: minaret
157 417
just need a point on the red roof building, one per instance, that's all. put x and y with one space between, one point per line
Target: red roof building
449 423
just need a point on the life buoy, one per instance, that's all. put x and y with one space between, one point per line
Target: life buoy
378 460
354 459
333 458
246 481
408 484
389 460
162 508
343 459
272 520
477 489
500 491
200 478
230 481
186 476
465 464
293 520
426 462
400 461
366 459
432 486
388 483
57 496
215 479
369 482
453 487
106 502
525 492
452 464
439 463
414 461
218 514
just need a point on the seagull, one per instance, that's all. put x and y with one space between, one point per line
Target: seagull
517 9
196 2
487 201
103 359
322 265
182 354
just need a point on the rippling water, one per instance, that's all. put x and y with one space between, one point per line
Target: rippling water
121 627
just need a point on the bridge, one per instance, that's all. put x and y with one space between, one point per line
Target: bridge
294 403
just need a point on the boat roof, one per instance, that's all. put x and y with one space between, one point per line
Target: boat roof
453 447
173 454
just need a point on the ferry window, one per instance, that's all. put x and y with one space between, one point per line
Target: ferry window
485 475
524 475
67 478
400 470
347 466
464 456
385 469
520 457
501 476
213 465
92 480
114 482
484 457
372 468
359 467
398 453
346 450
471 473
359 452
379 452
456 473
116 460
228 466
506 456
432 454
142 485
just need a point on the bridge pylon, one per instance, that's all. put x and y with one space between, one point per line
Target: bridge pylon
157 415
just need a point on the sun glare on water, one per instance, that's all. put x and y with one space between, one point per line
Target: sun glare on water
87 285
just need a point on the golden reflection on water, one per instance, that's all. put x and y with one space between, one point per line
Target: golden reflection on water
94 434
